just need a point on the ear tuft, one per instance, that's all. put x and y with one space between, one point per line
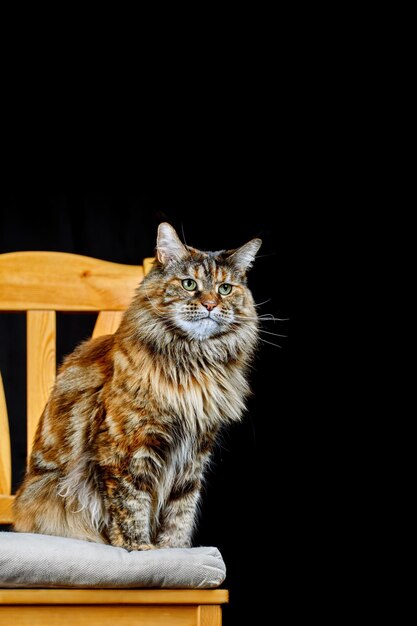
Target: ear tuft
169 247
243 257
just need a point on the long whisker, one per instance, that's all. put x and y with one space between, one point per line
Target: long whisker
266 332
264 302
270 343
267 317
261 330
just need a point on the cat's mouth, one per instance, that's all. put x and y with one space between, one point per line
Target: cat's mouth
200 327
202 318
208 317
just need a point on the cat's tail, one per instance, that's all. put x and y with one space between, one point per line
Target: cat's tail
39 508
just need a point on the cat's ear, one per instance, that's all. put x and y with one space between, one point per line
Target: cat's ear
243 257
168 245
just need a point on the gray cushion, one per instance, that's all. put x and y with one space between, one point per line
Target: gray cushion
29 560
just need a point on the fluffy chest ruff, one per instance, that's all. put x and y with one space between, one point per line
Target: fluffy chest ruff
194 393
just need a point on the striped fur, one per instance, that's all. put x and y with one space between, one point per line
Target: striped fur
121 448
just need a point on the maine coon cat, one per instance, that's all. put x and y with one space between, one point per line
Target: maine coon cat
122 445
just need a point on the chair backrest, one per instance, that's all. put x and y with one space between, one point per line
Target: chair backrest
42 283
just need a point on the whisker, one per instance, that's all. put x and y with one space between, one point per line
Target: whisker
264 302
269 316
261 330
266 332
270 343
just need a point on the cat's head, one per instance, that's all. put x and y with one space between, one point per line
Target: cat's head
200 294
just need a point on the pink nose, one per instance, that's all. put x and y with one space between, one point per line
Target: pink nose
209 304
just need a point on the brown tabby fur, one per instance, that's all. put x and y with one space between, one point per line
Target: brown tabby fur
121 447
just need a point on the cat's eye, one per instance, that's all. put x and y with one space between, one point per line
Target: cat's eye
189 284
225 289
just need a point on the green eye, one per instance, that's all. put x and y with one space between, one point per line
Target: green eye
225 289
189 284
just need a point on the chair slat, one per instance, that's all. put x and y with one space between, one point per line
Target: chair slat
107 323
5 455
147 264
59 281
41 366
6 510
114 596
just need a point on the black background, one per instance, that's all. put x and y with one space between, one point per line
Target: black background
255 503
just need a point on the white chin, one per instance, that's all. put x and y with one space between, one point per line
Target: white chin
202 329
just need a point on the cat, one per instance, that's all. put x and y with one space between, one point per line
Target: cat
122 446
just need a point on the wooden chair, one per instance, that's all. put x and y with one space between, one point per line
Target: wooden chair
42 283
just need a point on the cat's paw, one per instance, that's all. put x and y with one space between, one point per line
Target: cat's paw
171 543
145 546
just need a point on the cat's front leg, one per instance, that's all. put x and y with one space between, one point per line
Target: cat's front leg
178 521
178 517
129 505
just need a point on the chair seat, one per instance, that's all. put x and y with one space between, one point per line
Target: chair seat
39 561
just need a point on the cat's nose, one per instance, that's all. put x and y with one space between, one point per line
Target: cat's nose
209 304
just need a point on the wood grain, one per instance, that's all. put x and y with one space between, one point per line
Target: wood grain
107 323
209 616
41 366
6 509
114 596
98 615
60 281
5 456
